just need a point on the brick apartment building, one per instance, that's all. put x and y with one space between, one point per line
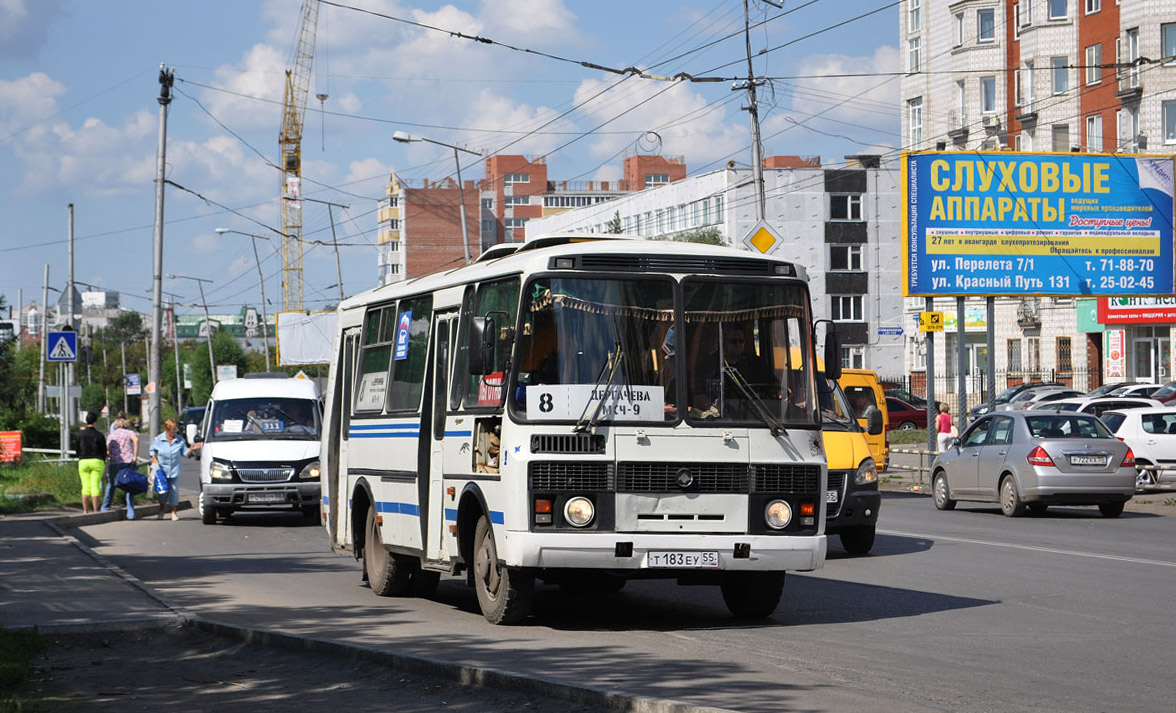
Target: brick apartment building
420 229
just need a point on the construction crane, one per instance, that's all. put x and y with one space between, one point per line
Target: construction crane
290 142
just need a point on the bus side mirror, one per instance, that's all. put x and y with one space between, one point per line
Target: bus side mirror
832 354
481 346
874 424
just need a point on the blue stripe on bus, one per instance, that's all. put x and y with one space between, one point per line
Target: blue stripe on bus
326 500
450 514
378 426
398 508
405 434
496 517
458 434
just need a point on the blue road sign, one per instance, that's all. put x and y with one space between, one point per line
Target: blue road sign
63 346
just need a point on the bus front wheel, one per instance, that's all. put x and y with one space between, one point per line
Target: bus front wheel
387 575
504 593
752 595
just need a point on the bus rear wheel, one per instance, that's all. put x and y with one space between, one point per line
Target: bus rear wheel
752 595
387 575
504 593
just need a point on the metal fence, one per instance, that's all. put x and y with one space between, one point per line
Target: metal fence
976 384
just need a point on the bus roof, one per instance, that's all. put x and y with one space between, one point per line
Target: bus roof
535 255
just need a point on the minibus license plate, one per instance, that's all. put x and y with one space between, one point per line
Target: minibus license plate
267 497
830 496
682 559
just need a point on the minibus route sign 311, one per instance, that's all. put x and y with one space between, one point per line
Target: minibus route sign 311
980 224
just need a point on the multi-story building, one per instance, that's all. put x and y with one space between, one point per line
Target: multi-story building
841 224
419 227
1041 75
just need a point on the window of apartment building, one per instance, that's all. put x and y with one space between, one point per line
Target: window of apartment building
913 45
986 25
488 225
957 28
913 19
718 209
1013 353
853 357
961 106
515 222
1017 20
1133 55
393 224
1128 128
1093 6
672 218
627 224
846 308
988 95
1029 83
1093 60
1058 9
516 178
1060 136
487 204
915 122
1168 110
845 258
1064 357
845 206
1059 75
1027 13
516 200
661 221
1033 354
1094 141
393 201
656 179
1018 88
1168 40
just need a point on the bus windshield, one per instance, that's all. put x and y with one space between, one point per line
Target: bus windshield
264 418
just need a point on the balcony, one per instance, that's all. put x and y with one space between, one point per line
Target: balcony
957 122
1027 111
1130 87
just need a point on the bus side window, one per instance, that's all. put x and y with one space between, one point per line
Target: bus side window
410 351
375 355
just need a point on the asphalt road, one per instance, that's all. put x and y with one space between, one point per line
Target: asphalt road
953 611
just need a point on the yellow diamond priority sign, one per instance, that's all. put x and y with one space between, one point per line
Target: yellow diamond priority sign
762 238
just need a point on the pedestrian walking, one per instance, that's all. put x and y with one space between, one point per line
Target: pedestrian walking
944 428
168 451
122 448
91 450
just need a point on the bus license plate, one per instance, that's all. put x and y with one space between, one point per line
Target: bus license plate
830 496
685 560
267 497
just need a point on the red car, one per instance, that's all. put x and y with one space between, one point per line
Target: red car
905 417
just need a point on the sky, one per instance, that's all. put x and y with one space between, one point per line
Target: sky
79 118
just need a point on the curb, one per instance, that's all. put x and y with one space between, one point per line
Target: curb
461 674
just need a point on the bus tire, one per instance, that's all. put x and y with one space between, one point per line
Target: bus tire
504 593
387 575
752 595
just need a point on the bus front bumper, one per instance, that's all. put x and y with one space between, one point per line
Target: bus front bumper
631 551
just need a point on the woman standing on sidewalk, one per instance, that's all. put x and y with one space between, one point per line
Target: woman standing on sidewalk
167 452
122 447
944 427
91 463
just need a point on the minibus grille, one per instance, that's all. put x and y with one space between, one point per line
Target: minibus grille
558 476
669 477
787 478
265 475
573 443
678 263
837 485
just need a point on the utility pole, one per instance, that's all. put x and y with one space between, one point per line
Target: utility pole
19 317
126 402
757 148
334 238
207 320
176 345
68 411
260 281
404 138
44 339
154 368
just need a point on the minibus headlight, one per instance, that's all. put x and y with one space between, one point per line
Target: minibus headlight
867 473
778 514
579 512
220 471
310 472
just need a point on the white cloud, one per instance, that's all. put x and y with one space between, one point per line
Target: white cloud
24 25
870 100
368 170
547 23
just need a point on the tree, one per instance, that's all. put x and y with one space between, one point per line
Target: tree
126 328
706 236
614 224
225 351
93 398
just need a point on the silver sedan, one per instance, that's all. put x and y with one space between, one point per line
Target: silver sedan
1034 459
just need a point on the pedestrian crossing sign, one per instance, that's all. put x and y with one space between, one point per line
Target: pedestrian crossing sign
63 346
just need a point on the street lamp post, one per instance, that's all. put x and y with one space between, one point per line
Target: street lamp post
207 320
261 281
405 138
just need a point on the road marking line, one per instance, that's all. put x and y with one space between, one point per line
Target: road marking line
1050 550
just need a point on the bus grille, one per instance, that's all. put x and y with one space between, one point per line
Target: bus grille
571 475
679 263
663 477
573 443
836 484
787 478
265 475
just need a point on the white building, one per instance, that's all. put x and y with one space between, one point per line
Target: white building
840 224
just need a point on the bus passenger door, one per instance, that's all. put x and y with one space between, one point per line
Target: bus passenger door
442 365
338 484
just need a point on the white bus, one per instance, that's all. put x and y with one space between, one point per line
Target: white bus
583 411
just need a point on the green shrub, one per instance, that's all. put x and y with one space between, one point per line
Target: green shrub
38 430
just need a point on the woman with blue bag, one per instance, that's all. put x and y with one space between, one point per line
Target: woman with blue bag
167 464
122 447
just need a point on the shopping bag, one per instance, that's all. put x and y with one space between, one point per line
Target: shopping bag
131 480
161 484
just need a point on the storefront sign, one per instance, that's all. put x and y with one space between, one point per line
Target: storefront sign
1115 357
975 320
978 224
1136 310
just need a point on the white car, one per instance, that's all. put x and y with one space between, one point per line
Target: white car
1151 433
1139 390
1035 398
1099 404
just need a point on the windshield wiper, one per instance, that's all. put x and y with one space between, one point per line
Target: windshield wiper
756 402
611 365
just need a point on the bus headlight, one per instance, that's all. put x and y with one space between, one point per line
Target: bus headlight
778 514
220 471
867 473
310 472
579 512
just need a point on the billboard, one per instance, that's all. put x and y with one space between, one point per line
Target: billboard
980 224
